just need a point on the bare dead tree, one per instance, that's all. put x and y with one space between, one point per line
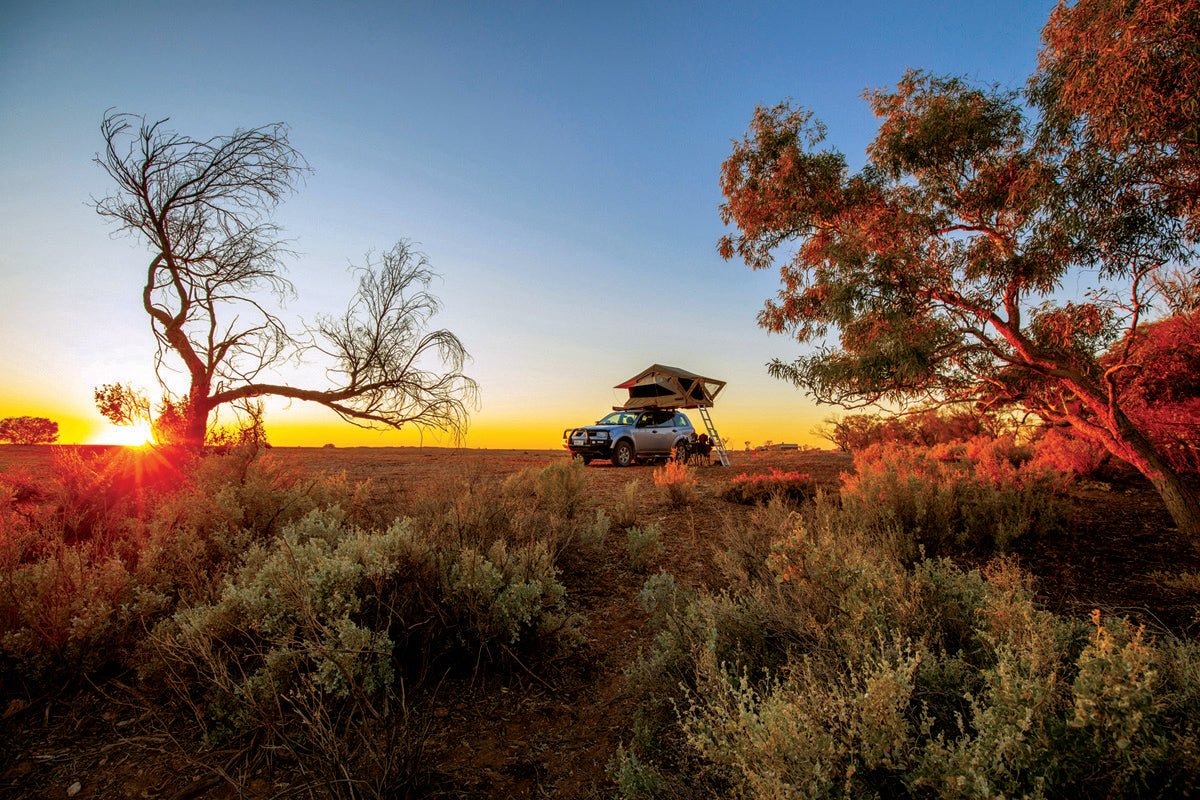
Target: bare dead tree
203 208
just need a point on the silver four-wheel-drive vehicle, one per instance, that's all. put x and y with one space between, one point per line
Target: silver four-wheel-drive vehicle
629 436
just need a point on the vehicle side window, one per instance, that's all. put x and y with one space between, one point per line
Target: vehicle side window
680 421
664 418
646 420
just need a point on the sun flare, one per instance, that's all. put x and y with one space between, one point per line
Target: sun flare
138 435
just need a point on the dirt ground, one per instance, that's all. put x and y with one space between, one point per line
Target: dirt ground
552 735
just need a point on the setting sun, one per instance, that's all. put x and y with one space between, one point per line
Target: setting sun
137 435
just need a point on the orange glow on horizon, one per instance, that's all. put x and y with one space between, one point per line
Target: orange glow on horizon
507 429
138 435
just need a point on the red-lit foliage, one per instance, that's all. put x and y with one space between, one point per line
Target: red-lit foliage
91 497
1056 449
760 487
1129 72
926 428
1161 388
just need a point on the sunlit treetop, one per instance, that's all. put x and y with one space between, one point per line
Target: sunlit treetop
1125 76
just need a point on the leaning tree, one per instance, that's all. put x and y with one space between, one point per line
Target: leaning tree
203 210
947 268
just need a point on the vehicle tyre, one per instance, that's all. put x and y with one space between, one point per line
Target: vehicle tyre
586 460
622 454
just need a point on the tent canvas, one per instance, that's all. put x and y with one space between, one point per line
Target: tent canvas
660 386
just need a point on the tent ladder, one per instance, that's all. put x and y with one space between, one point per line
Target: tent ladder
717 442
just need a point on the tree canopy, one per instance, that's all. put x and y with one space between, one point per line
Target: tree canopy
1123 79
28 430
217 263
944 270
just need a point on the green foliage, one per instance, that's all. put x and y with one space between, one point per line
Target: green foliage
635 779
844 673
643 546
330 608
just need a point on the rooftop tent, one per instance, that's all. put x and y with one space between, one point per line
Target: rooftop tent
659 386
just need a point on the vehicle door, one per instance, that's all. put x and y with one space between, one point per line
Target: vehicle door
645 433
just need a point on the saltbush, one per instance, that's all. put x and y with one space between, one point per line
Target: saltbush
106 546
979 497
643 545
333 609
558 488
847 673
628 504
1057 450
759 487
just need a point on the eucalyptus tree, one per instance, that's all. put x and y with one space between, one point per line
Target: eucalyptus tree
215 279
936 272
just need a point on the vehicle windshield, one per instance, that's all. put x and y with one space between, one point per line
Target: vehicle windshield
619 418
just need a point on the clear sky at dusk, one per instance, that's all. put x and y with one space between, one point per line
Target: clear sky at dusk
557 162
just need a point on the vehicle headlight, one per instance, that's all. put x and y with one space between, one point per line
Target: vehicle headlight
601 434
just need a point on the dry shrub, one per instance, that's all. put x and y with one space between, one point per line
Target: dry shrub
319 630
979 497
114 543
761 487
629 504
537 504
558 488
643 546
743 544
1057 450
561 487
846 673
677 482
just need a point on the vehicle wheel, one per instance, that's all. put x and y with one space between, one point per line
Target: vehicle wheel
680 451
622 455
586 460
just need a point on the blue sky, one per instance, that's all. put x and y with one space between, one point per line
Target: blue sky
557 162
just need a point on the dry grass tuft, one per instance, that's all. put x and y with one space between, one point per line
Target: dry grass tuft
677 482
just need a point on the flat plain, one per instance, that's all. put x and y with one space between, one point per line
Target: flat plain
554 735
